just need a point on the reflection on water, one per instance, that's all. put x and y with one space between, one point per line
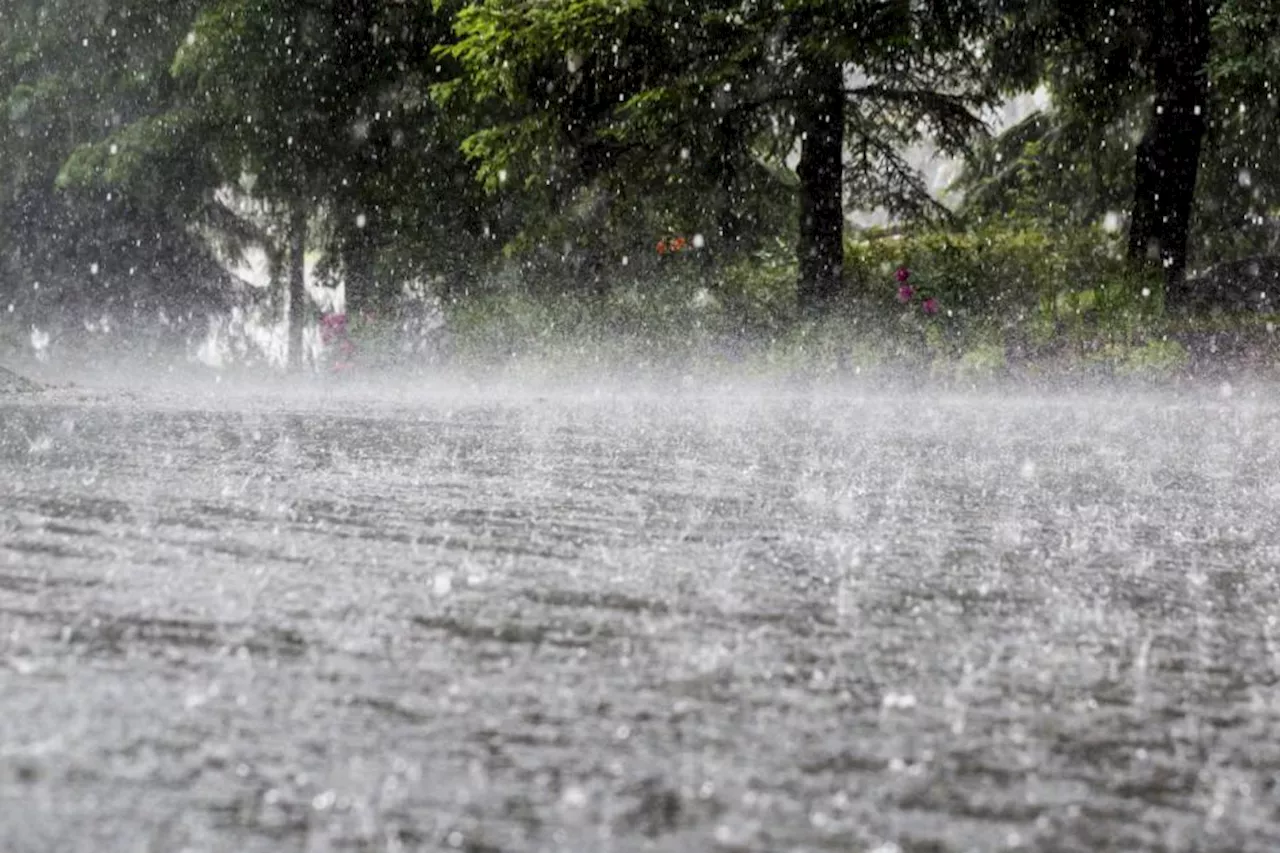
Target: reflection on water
738 622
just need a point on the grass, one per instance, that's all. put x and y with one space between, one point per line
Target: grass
685 328
1012 303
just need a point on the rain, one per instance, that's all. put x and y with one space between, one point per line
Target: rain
638 426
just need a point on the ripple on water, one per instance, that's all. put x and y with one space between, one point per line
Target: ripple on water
818 622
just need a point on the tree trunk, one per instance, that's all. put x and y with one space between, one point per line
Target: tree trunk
355 50
729 213
1168 156
358 272
297 282
820 248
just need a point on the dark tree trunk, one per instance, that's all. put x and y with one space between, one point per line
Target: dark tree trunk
729 216
355 50
297 282
1168 156
358 271
820 248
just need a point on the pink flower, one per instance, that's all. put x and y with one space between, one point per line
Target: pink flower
906 292
902 274
929 306
333 327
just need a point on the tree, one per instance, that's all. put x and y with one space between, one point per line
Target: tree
668 93
1167 160
72 74
1190 78
321 112
1238 210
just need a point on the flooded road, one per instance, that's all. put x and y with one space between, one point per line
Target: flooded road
714 619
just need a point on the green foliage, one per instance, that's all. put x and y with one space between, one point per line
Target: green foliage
72 74
985 360
1054 167
1151 359
525 157
1010 300
760 289
1073 164
1034 292
1239 193
986 271
665 326
321 106
683 116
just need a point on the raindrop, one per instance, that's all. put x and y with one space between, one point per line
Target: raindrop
898 701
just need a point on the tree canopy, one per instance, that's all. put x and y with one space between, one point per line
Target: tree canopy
440 141
721 112
1163 114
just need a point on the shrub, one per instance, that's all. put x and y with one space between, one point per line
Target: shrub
1032 289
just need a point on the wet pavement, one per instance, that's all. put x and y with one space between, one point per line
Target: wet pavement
704 619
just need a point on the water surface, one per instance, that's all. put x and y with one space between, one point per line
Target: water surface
711 618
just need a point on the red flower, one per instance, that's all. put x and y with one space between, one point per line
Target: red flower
902 274
662 247
905 293
929 306
677 243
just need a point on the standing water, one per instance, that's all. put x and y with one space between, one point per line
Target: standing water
719 619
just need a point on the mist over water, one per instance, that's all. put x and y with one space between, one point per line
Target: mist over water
692 613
